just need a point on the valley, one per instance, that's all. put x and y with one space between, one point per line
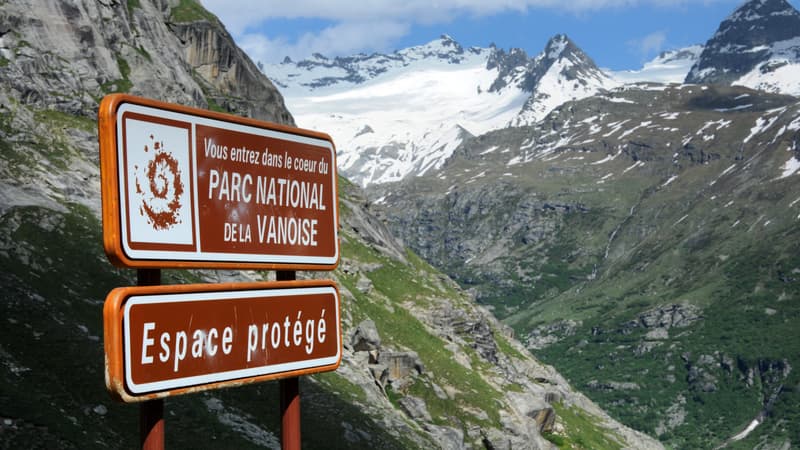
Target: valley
640 238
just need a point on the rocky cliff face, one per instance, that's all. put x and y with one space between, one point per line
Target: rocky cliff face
64 55
562 72
228 77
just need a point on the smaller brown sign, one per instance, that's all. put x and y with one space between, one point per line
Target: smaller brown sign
168 340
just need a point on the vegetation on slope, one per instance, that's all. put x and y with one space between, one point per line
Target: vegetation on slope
642 242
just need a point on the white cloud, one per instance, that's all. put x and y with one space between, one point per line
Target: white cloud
240 15
373 25
341 39
650 44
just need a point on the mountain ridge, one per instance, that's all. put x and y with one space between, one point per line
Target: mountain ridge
586 231
412 136
757 46
474 89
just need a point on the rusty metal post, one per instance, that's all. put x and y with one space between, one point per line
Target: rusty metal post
290 413
290 395
151 412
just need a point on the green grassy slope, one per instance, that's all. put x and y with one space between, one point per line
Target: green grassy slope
582 228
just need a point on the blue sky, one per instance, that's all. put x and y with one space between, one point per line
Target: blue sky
617 34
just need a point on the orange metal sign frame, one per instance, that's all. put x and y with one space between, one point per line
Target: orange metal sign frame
189 188
162 341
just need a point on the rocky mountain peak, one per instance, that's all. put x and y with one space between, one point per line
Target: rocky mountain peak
760 11
754 33
561 72
561 46
557 45
320 71
445 48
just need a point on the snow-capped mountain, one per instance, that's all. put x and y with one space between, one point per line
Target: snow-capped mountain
668 67
404 113
757 46
562 72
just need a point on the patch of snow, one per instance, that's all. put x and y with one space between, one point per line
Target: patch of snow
514 161
670 180
635 165
607 158
735 108
790 167
641 125
480 175
668 67
615 126
779 73
749 429
617 99
762 124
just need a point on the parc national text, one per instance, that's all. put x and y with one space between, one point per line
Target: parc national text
270 192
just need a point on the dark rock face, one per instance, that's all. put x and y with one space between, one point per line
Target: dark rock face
562 47
506 65
366 337
231 79
744 40
558 47
66 55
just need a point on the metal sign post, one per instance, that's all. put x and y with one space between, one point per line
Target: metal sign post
151 412
290 395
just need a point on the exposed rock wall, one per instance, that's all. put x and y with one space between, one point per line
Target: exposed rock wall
67 55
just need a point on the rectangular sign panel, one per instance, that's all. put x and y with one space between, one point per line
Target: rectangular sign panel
184 187
168 340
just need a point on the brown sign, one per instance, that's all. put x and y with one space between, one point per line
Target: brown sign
168 340
184 187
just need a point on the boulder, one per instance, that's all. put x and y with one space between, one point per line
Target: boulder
365 337
364 284
401 365
545 418
379 372
415 407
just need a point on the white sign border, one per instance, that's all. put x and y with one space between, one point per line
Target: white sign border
198 255
185 382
